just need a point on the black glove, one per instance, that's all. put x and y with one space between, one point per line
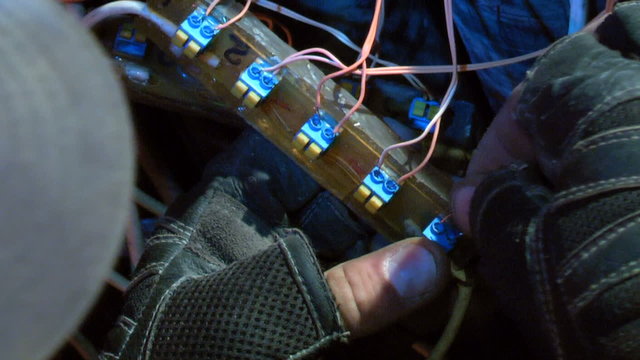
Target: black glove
218 282
560 240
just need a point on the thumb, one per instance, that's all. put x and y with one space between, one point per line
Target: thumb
375 290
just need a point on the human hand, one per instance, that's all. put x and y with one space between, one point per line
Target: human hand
557 228
224 276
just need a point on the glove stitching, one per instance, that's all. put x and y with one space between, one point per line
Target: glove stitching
126 323
605 105
309 213
597 139
302 286
172 220
541 62
180 241
146 269
171 226
578 151
535 258
594 188
150 333
320 274
161 238
318 345
621 5
175 225
591 246
626 271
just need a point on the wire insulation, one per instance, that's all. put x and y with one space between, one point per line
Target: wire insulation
443 107
236 18
339 35
366 50
129 7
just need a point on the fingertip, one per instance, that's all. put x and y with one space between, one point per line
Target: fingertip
461 204
379 288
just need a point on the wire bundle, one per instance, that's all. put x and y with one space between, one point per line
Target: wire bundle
378 66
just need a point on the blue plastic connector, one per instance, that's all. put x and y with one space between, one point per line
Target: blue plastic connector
316 135
377 189
421 112
196 32
130 42
255 84
442 233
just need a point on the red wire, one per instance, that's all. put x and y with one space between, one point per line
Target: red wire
366 50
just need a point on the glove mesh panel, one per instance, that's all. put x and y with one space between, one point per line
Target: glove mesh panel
622 115
579 220
252 310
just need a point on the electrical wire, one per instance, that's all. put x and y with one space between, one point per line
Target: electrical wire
443 107
236 18
358 104
465 290
148 203
577 15
213 4
118 281
339 35
129 7
360 62
286 31
366 50
438 69
268 21
134 238
304 55
83 346
233 20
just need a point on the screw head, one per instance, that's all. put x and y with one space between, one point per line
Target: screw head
438 227
195 20
328 133
254 71
267 80
377 176
391 186
315 122
207 31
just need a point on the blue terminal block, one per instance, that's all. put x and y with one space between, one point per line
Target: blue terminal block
316 135
255 84
442 233
377 189
422 111
196 32
130 42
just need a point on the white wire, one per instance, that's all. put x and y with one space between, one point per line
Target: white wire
577 15
413 80
129 7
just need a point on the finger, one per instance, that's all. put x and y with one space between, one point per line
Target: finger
375 290
504 142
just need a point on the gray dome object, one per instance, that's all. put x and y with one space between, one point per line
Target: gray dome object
66 174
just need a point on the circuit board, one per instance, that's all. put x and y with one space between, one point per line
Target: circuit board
282 114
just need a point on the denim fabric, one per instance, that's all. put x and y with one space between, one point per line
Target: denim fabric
497 29
490 30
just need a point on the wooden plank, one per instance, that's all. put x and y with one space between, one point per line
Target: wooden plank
287 108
